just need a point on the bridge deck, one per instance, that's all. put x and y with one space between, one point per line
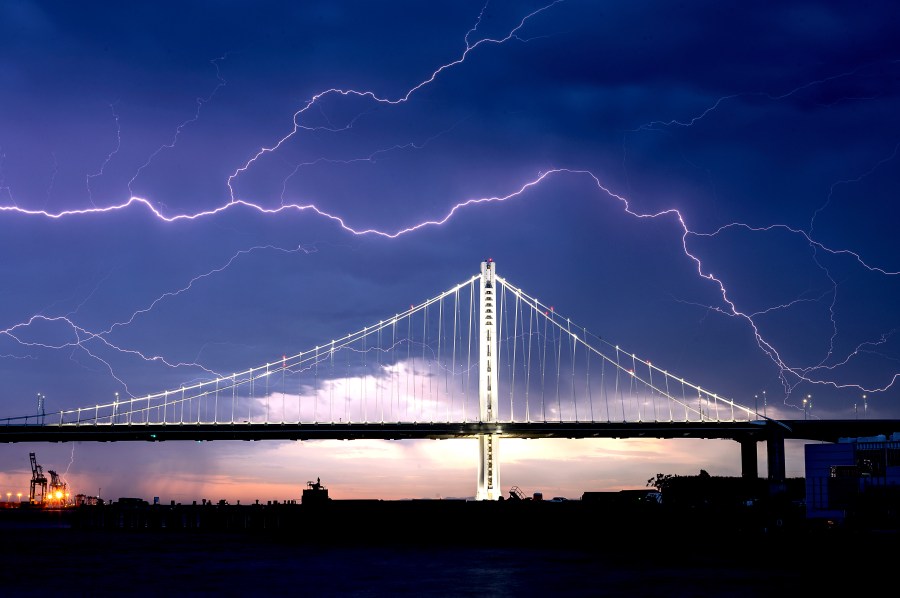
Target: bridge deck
821 430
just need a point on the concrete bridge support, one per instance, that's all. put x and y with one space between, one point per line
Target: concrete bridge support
775 455
749 465
775 459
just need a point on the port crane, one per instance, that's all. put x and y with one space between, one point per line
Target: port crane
58 494
38 482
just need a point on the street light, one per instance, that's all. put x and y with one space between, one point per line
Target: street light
41 406
865 406
19 496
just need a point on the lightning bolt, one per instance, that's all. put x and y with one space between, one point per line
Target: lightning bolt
89 177
378 99
202 101
83 336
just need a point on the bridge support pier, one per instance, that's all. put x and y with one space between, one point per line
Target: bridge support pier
776 461
749 465
488 487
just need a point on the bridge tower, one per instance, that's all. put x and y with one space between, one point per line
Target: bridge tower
488 486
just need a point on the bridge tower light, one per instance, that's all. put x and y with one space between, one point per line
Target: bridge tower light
40 407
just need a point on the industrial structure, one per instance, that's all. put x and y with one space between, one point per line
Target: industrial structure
855 479
55 496
38 482
315 493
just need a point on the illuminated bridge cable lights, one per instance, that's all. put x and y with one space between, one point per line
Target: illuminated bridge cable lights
417 366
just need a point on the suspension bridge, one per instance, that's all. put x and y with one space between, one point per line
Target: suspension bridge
483 359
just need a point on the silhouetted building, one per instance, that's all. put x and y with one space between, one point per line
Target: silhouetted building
314 493
856 480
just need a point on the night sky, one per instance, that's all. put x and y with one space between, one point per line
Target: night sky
197 187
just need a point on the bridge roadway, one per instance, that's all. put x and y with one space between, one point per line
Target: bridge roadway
756 430
747 433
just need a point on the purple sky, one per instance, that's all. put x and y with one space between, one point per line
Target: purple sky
766 138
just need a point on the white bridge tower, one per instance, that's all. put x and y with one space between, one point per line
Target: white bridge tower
488 487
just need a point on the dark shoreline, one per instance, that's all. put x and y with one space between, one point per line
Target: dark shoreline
435 548
573 523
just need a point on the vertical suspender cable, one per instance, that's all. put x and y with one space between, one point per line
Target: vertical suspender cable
377 381
532 316
316 387
453 353
424 342
331 385
469 356
348 412
631 388
558 368
669 396
408 365
587 376
543 369
574 340
515 344
603 389
440 365
394 385
618 393
364 380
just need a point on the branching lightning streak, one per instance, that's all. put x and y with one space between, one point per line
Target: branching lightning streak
834 185
69 466
4 188
83 336
52 177
201 101
371 95
109 157
654 125
371 158
800 374
190 284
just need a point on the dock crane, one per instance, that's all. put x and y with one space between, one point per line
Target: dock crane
58 494
38 482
